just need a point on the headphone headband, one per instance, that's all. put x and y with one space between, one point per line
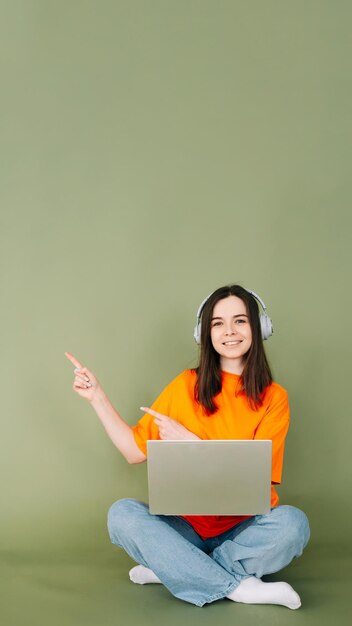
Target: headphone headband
265 321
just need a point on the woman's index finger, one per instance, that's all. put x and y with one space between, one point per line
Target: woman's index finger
152 412
73 360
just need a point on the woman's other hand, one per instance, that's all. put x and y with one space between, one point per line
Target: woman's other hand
168 428
85 383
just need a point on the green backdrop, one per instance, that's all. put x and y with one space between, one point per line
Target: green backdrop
152 151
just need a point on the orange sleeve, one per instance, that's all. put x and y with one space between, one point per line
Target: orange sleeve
274 425
146 428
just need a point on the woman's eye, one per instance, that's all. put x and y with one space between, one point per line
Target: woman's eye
218 323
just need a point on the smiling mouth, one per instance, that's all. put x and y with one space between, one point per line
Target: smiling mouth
231 343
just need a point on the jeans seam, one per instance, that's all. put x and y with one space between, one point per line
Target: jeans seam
218 596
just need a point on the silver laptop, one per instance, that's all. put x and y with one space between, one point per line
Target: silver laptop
230 477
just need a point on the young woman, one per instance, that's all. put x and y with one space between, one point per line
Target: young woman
230 395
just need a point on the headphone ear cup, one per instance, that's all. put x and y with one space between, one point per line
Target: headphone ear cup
266 326
196 333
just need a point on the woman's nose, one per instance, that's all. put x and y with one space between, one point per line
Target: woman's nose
230 330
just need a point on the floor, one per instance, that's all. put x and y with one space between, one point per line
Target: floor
89 586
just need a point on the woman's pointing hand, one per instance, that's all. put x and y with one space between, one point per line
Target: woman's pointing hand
85 383
168 428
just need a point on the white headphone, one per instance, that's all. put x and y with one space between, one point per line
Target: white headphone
265 321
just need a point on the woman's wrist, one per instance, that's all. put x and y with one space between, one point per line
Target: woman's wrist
99 399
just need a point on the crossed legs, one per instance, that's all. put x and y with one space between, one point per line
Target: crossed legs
202 571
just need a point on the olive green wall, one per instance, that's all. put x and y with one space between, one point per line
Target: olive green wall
151 152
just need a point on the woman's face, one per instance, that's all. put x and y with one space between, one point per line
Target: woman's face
230 330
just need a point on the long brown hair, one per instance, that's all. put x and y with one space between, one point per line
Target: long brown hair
256 374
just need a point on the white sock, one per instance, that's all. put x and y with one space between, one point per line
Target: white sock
253 590
143 575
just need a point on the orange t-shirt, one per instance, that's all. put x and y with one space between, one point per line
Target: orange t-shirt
234 419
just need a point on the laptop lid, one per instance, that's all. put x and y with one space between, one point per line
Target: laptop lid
230 477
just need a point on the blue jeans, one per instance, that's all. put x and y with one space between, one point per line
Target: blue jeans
199 570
